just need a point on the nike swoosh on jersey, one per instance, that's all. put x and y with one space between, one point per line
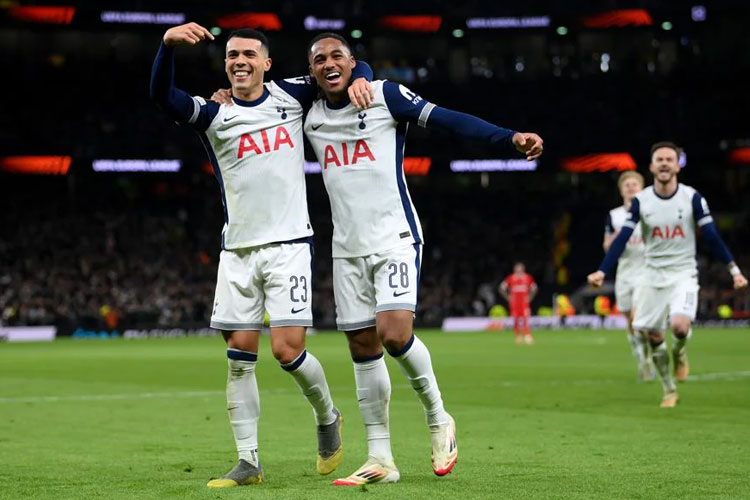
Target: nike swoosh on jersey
399 294
316 127
295 311
230 118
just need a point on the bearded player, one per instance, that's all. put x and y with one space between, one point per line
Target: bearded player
670 214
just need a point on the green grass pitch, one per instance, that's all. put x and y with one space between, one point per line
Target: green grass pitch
565 418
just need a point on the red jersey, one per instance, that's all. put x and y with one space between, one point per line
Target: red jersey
519 286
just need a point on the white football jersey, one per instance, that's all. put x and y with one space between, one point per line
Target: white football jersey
631 261
668 228
257 153
361 155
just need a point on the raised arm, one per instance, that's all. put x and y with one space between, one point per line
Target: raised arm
406 105
177 103
618 245
719 249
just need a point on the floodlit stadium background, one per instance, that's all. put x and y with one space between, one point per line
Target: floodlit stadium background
110 216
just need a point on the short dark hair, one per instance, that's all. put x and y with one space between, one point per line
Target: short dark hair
252 35
666 144
329 34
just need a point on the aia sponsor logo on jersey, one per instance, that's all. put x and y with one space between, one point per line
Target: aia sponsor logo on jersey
338 155
249 144
667 233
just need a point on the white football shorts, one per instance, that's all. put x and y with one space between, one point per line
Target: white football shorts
274 278
654 305
365 286
624 291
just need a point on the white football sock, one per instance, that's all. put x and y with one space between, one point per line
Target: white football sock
680 344
310 378
661 361
416 365
243 403
373 397
636 346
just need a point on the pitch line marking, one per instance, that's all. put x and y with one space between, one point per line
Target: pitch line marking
702 377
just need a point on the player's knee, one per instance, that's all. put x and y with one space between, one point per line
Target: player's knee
286 350
394 340
655 338
286 353
240 339
395 329
680 327
364 343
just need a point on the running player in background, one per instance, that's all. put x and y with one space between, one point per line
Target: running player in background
629 267
377 242
519 290
669 213
266 243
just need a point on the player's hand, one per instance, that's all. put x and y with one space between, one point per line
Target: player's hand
739 281
223 96
596 279
529 144
186 34
361 93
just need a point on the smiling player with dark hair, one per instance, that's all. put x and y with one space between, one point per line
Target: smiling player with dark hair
256 149
377 241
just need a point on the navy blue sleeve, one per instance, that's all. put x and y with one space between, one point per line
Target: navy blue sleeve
608 227
405 105
180 105
362 70
703 219
618 246
305 89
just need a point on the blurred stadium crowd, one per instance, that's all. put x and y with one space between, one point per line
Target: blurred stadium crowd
106 250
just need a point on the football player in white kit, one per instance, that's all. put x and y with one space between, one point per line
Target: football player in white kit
629 267
669 214
256 150
377 242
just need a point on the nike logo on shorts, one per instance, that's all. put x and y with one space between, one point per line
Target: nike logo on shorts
295 311
399 294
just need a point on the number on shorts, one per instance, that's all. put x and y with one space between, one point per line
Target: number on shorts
402 270
298 282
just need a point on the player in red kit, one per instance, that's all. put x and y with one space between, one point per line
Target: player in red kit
519 290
